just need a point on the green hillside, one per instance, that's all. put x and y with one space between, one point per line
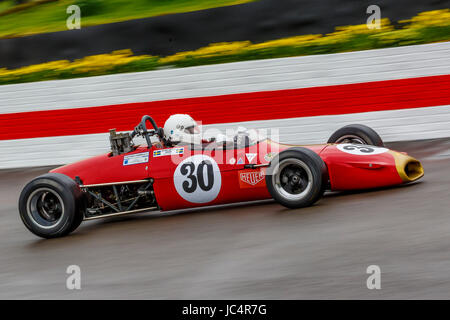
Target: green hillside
35 17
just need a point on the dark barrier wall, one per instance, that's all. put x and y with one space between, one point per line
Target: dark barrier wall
164 35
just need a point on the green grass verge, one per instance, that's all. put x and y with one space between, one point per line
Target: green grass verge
52 16
4 5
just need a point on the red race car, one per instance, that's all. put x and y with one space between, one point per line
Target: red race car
167 173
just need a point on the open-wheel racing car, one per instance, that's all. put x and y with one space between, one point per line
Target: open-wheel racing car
160 175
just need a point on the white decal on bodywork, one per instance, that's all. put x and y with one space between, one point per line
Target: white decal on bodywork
361 149
135 158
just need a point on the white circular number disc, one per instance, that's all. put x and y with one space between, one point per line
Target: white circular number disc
197 179
361 149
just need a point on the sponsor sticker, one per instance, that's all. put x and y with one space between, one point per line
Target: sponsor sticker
168 152
268 157
135 158
250 156
252 178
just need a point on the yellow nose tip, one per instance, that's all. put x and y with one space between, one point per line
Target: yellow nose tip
408 168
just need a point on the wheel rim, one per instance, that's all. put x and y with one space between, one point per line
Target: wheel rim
349 138
45 207
292 179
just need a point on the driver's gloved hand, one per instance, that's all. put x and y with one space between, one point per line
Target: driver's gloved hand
241 129
221 139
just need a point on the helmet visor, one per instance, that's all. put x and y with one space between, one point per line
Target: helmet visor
192 130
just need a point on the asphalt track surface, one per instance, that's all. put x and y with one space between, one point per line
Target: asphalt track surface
253 251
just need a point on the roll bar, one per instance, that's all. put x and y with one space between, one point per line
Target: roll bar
141 130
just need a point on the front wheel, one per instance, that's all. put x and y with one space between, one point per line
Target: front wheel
50 205
357 134
296 178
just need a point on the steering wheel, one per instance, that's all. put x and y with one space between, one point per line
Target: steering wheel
141 130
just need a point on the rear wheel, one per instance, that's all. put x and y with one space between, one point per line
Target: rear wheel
50 205
357 134
296 178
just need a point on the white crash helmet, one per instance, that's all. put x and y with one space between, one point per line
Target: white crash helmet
181 128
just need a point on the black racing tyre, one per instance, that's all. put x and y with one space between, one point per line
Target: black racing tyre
51 205
358 134
296 177
79 217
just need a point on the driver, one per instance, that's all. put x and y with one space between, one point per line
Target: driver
182 129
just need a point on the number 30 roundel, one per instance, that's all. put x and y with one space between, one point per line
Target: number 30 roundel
197 179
